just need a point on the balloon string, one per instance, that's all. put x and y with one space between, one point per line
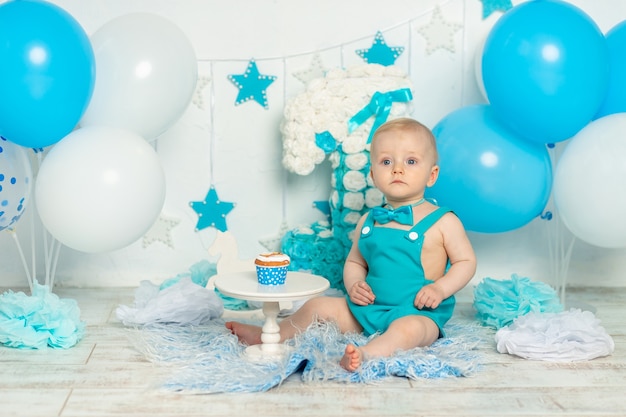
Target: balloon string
565 268
212 122
48 249
54 265
560 254
284 178
24 263
33 257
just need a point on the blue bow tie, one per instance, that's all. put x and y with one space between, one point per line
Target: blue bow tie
402 215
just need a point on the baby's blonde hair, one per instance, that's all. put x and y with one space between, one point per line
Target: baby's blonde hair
407 124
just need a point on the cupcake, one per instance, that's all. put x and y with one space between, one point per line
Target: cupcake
271 268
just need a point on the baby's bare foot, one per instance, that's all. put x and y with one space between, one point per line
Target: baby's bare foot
246 333
352 358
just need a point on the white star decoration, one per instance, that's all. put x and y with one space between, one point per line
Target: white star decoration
316 70
160 231
439 34
272 244
198 95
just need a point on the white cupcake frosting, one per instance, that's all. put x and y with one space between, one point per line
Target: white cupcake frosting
273 257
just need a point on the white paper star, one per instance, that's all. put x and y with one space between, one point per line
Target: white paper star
160 231
272 244
316 70
439 34
198 95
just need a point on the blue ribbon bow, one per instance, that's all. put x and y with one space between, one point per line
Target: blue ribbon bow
379 106
402 215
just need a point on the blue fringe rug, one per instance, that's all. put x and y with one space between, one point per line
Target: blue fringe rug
208 359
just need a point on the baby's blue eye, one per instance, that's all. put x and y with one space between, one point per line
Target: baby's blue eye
386 162
411 162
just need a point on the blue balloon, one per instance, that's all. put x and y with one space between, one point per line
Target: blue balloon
494 180
16 179
615 99
47 72
545 67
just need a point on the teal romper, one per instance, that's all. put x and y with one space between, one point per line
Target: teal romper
396 275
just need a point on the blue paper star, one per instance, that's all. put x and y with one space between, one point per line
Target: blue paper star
211 211
252 85
380 53
323 206
490 6
325 141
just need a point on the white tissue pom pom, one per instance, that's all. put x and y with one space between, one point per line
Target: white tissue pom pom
324 234
352 217
373 198
324 223
355 143
298 165
304 230
354 181
336 73
338 129
334 160
327 104
357 161
353 201
334 198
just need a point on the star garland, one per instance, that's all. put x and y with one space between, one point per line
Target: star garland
198 97
211 211
252 85
439 33
379 52
490 6
324 207
161 231
315 70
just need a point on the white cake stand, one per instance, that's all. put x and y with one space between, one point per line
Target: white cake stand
244 285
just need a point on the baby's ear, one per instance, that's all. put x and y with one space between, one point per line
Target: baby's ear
434 174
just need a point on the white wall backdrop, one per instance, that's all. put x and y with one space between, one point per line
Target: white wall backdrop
238 148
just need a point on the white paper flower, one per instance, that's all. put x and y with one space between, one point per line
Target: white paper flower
354 181
327 104
352 217
373 197
356 161
353 201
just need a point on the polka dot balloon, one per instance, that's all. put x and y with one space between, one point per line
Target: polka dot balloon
15 182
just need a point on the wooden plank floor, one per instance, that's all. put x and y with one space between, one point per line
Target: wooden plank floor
104 376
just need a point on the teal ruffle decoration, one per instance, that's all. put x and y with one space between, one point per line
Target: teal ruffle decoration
316 249
499 302
39 320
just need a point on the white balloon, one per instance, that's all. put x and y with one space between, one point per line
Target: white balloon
100 189
589 183
146 74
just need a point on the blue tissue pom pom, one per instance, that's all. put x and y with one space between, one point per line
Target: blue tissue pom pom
499 302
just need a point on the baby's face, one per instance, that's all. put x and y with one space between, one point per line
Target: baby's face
402 165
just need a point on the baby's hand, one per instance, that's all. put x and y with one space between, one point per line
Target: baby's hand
429 296
361 294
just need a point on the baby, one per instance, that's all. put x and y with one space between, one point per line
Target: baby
408 258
